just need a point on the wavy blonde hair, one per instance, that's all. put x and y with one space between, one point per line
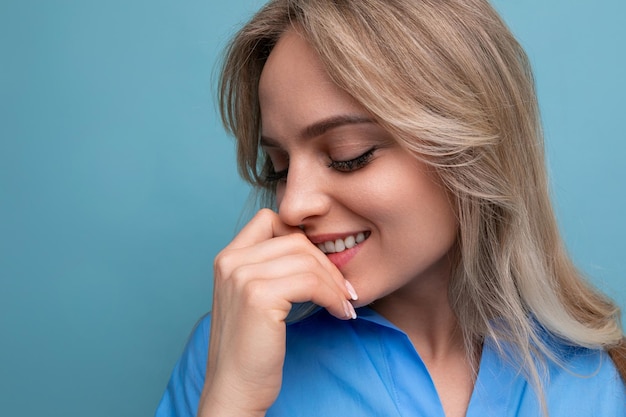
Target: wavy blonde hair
453 86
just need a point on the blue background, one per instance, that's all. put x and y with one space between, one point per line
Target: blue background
118 185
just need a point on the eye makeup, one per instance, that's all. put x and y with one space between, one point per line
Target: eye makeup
354 163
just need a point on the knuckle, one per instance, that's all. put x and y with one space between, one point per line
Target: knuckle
299 239
265 214
253 292
239 277
308 261
222 263
311 281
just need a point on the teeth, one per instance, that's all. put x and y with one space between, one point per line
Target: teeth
340 245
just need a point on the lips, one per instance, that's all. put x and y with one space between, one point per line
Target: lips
341 244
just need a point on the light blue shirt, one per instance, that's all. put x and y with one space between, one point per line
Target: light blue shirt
368 367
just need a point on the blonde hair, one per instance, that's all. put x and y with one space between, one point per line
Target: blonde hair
451 83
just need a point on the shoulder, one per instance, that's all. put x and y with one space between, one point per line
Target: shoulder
580 383
196 349
585 383
185 385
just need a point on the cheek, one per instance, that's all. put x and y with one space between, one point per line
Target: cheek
411 203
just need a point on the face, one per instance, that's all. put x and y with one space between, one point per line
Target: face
376 211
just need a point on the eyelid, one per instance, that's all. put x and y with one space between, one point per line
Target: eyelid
273 177
273 153
339 165
354 163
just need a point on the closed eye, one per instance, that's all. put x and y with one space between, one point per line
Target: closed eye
353 164
341 166
273 177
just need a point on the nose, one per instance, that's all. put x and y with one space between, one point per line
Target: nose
304 196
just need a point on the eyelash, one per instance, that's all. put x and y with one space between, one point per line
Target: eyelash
274 177
341 166
352 164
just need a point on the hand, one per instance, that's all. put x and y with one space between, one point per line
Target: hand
267 267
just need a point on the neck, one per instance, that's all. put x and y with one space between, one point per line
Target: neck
422 310
429 323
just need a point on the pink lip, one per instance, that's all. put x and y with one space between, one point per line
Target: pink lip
340 259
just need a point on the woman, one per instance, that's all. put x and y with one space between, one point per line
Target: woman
401 145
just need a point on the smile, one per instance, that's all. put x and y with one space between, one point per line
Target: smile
340 245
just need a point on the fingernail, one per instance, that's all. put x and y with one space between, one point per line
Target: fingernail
349 309
353 294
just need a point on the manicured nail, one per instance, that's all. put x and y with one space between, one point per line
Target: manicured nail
349 309
351 291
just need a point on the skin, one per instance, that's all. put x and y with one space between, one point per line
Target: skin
402 269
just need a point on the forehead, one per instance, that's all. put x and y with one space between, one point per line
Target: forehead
291 61
295 90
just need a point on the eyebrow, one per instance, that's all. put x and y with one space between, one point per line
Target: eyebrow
321 127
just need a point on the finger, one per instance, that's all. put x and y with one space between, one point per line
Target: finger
291 265
264 225
281 248
276 296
